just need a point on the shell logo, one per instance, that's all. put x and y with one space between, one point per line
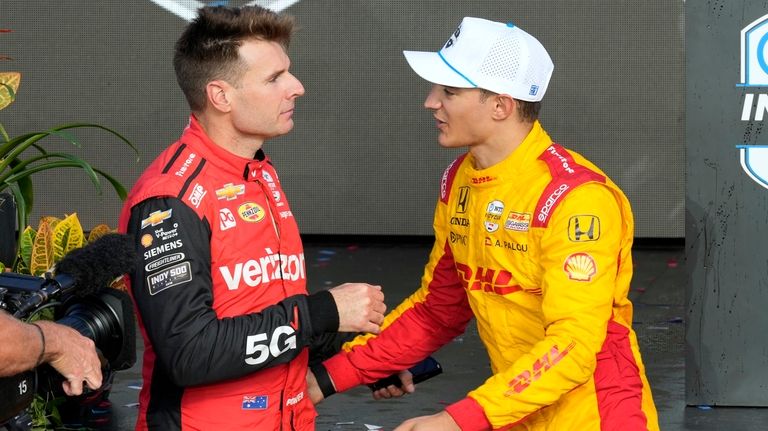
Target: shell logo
580 267
251 212
146 240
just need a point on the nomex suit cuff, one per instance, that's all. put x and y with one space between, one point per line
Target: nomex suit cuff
469 415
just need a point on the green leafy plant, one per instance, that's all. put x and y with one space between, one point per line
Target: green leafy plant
23 156
37 251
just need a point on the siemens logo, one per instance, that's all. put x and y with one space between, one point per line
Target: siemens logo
162 248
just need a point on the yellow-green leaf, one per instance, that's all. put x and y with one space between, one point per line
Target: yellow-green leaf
98 231
25 248
66 236
42 248
9 85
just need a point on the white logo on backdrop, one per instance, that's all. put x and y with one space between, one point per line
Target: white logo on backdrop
754 73
187 9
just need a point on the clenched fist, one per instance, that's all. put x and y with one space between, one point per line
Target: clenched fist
361 307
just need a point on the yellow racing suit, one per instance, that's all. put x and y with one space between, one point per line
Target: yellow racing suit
537 249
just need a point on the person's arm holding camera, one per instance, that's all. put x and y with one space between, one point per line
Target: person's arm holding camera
24 346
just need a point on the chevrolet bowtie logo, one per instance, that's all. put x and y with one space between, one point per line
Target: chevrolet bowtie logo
156 218
230 191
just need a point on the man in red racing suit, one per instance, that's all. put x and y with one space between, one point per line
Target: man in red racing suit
221 283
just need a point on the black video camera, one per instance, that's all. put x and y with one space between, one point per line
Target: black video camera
81 300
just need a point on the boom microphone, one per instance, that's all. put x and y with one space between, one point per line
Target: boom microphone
97 264
85 270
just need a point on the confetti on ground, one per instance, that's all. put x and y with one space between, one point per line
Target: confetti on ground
327 252
672 263
372 427
704 407
132 405
137 387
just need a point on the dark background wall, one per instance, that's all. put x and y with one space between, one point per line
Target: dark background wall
363 157
726 210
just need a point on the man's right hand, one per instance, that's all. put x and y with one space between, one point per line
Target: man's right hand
361 307
72 355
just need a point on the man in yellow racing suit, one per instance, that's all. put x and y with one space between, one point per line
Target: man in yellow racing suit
532 240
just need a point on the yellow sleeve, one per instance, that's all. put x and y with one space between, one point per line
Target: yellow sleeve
578 266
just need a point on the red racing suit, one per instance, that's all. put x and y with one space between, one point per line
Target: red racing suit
538 249
221 293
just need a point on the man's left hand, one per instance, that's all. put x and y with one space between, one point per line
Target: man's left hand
440 421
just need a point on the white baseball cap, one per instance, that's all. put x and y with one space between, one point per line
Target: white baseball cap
501 58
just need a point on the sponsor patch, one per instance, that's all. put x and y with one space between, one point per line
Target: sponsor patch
493 215
162 249
583 228
461 203
460 221
483 179
164 261
230 191
251 212
519 222
457 238
198 192
146 240
167 234
156 218
186 165
226 219
169 277
256 402
580 267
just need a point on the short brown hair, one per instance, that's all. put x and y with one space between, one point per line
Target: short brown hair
208 48
528 111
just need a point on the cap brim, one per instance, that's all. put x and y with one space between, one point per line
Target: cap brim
431 67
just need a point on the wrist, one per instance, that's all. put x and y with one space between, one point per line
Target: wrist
41 357
323 314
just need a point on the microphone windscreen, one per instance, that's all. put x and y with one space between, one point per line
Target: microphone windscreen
94 266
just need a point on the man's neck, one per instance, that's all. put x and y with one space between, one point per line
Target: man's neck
499 145
221 132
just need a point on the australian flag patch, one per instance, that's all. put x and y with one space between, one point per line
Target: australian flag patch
257 402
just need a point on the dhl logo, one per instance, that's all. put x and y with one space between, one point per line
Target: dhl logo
156 218
230 191
487 280
542 365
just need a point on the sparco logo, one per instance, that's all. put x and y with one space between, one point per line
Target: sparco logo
551 200
273 266
562 159
444 180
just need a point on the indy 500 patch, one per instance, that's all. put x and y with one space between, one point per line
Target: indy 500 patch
169 277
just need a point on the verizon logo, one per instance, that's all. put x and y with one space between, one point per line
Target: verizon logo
272 266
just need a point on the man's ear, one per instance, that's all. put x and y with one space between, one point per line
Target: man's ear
216 93
504 106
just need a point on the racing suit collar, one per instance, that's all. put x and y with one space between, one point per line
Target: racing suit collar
195 136
515 164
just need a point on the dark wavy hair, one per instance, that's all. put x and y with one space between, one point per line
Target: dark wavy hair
208 48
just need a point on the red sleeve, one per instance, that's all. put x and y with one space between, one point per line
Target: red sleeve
430 318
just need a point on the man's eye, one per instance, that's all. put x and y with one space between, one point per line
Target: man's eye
448 92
